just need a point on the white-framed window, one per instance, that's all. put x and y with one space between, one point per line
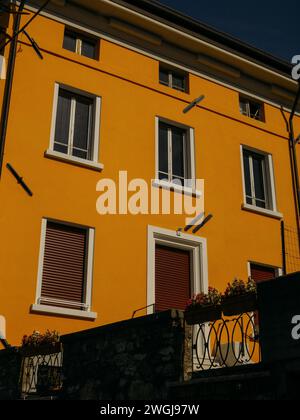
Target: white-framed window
75 126
65 270
258 181
174 79
252 109
81 44
175 154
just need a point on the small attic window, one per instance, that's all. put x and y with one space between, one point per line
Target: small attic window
252 109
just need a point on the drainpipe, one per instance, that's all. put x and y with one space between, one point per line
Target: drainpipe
9 82
294 160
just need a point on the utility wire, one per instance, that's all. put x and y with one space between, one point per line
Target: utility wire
26 25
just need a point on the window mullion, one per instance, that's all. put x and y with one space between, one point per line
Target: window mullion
170 79
252 181
78 46
265 183
72 126
170 151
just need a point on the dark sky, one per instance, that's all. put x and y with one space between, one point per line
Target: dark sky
271 25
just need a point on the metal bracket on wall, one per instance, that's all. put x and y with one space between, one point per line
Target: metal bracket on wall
19 179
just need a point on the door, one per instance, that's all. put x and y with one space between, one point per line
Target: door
172 278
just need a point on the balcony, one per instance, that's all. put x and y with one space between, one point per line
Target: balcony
41 372
224 338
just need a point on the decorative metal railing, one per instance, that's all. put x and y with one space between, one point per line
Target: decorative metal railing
226 342
42 371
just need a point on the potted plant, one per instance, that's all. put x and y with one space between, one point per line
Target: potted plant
204 307
41 344
239 297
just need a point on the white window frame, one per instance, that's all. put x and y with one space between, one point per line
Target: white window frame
248 101
269 185
2 68
79 38
199 266
86 312
188 187
171 74
93 163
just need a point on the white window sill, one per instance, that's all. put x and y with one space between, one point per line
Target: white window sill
264 212
74 160
176 188
53 310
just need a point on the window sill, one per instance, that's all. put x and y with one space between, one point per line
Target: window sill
53 310
263 212
176 188
51 154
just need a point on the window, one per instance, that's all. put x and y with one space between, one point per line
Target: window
75 127
258 179
65 272
260 273
175 153
80 44
173 79
252 109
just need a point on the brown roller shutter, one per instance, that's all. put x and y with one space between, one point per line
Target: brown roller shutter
64 263
260 273
172 278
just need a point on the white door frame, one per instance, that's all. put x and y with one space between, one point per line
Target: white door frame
198 248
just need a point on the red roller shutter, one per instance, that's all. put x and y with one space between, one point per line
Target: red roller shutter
64 263
260 273
172 278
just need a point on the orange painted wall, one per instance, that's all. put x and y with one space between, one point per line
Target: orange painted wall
131 98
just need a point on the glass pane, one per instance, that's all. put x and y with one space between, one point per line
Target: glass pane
247 176
178 152
163 148
258 177
80 153
69 41
178 82
63 117
255 110
82 123
60 148
88 48
243 107
164 77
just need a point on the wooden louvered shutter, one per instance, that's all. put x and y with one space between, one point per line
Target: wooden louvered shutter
172 278
64 265
260 273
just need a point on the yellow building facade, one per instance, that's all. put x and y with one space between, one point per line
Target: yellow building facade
123 72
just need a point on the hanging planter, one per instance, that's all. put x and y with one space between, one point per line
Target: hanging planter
202 315
41 350
204 307
41 344
235 305
239 298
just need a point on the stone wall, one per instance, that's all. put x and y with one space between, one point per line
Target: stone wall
130 360
10 368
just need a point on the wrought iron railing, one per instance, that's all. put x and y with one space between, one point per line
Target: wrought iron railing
226 342
42 371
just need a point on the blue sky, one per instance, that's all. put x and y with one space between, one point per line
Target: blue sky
271 25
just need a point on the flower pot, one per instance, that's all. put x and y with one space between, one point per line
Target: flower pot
203 314
41 350
236 305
